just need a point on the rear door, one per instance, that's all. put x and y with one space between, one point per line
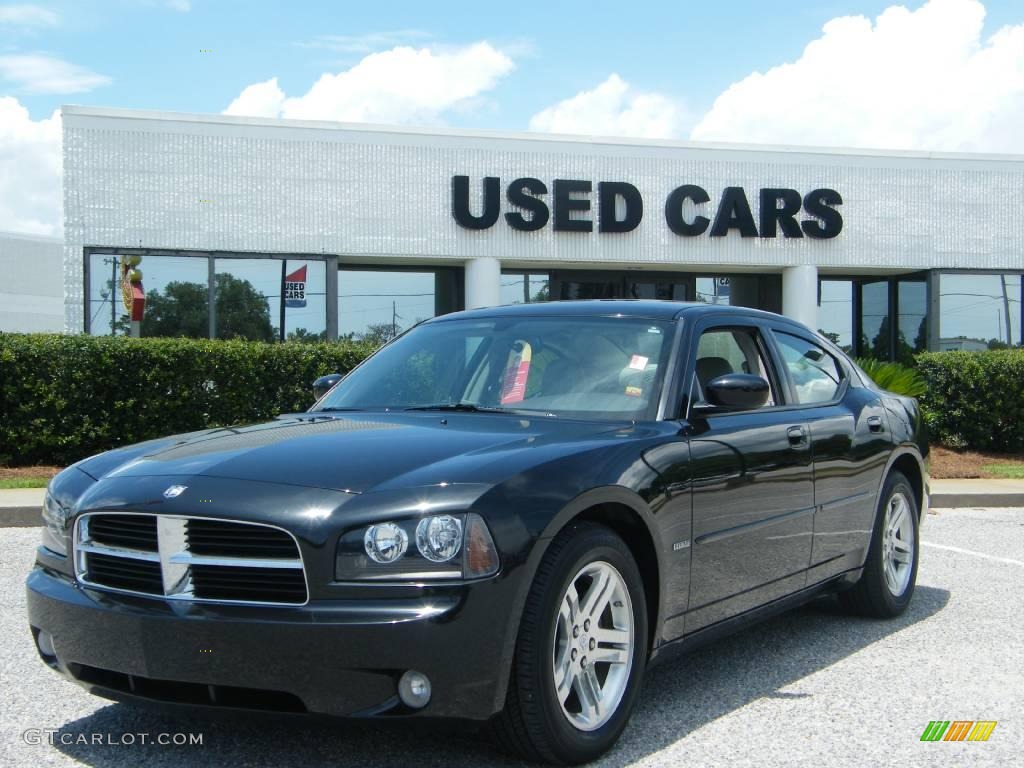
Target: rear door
850 444
753 491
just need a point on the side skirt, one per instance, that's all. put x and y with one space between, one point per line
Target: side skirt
705 635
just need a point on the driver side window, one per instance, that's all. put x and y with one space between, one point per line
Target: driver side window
728 350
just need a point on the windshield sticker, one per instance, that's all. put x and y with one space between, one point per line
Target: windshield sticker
634 391
513 388
638 362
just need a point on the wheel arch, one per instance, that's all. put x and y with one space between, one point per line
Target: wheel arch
628 515
909 463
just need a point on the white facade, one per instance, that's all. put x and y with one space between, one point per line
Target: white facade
31 283
384 195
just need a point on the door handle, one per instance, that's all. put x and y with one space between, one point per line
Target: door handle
797 435
875 423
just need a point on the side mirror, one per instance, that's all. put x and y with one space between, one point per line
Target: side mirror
734 392
324 384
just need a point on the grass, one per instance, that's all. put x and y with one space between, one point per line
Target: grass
1007 471
23 482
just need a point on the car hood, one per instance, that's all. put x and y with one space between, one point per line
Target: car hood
358 452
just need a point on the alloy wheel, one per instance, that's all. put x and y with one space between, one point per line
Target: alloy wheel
898 544
592 652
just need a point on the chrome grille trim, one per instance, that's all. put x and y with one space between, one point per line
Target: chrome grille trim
176 560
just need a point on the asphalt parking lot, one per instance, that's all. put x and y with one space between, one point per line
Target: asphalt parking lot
812 687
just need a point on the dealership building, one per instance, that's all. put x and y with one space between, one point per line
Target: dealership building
361 230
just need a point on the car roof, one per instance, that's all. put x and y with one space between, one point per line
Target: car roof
641 308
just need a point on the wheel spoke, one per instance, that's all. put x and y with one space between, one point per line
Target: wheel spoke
890 574
570 607
610 655
897 515
564 679
597 596
611 636
901 556
589 695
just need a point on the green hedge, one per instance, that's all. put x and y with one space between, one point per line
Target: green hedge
975 399
66 397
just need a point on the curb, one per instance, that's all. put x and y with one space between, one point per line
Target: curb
964 500
20 517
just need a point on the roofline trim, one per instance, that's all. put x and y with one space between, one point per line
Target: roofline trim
540 138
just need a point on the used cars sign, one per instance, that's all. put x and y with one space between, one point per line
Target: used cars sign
621 209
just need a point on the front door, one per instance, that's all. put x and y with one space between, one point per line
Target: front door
752 484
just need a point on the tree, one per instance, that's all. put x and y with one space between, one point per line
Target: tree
242 311
380 334
307 336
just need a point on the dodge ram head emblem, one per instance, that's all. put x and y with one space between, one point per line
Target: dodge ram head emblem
174 491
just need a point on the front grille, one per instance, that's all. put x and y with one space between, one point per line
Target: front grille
189 558
126 531
217 537
125 573
282 585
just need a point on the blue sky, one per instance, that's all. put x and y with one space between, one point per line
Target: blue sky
690 51
935 75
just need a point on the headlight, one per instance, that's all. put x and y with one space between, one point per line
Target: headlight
446 547
55 526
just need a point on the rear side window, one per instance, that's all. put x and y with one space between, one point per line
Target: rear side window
815 373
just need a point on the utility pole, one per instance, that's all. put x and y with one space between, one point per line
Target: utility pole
394 319
113 294
1006 311
526 289
284 274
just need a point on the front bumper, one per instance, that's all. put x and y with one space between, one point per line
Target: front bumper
339 658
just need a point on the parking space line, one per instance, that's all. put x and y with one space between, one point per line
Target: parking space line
972 552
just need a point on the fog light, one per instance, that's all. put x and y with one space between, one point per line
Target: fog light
414 689
45 642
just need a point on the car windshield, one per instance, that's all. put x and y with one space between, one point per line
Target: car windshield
572 367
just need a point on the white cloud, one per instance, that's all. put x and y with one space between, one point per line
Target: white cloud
30 171
28 16
613 108
258 100
922 79
40 73
401 85
182 6
367 43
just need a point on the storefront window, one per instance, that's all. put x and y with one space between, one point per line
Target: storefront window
979 311
713 290
525 288
248 299
875 323
835 312
377 305
912 324
176 296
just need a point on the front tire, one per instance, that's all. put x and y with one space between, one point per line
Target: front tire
890 571
581 650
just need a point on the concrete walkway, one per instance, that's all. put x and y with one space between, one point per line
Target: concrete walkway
20 507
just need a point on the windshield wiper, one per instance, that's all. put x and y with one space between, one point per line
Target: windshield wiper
470 408
467 407
333 409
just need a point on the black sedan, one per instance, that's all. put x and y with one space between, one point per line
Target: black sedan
504 515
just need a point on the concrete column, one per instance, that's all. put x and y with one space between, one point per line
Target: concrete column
800 295
483 282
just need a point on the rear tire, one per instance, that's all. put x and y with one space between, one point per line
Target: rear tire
581 651
890 571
